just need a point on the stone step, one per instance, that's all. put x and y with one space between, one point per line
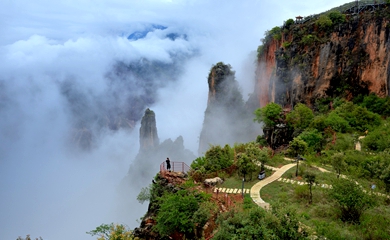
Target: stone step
231 190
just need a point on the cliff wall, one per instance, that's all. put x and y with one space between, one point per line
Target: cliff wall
307 61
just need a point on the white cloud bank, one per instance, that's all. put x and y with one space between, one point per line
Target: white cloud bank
51 190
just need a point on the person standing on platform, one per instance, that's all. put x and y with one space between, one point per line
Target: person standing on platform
168 164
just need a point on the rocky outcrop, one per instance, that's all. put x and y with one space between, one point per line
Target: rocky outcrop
169 182
148 137
308 61
226 119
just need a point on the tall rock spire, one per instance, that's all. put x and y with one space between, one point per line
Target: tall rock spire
148 137
226 118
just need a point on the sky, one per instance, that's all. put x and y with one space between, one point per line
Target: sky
48 187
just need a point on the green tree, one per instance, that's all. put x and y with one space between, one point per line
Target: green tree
297 147
313 138
385 176
270 114
324 22
218 158
338 163
378 139
250 157
289 23
337 123
310 178
336 17
318 123
176 213
300 117
245 165
112 232
350 200
280 222
376 104
359 118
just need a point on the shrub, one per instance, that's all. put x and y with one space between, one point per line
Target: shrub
112 231
313 138
289 23
350 199
301 192
336 122
260 50
286 44
300 117
176 213
297 147
378 139
308 39
336 17
270 114
324 22
276 33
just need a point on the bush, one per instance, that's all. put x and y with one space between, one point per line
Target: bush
260 50
308 40
350 199
378 139
270 114
324 22
336 17
289 23
337 123
286 44
177 213
376 104
301 192
276 33
112 232
313 138
297 147
300 117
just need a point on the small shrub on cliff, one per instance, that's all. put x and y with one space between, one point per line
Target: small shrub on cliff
324 22
274 33
289 23
260 50
112 232
336 17
286 44
308 40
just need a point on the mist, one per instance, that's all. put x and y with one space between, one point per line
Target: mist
75 79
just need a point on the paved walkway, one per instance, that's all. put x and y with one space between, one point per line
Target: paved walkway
255 190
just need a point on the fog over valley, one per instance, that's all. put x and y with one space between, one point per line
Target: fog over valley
75 80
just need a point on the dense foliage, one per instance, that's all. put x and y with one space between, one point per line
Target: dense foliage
280 222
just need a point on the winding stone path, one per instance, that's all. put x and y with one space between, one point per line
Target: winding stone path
255 190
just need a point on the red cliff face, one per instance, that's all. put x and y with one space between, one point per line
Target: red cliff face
308 62
264 72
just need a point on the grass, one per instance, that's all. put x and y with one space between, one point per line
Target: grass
235 181
277 161
322 215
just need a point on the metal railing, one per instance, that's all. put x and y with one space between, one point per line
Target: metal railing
175 167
